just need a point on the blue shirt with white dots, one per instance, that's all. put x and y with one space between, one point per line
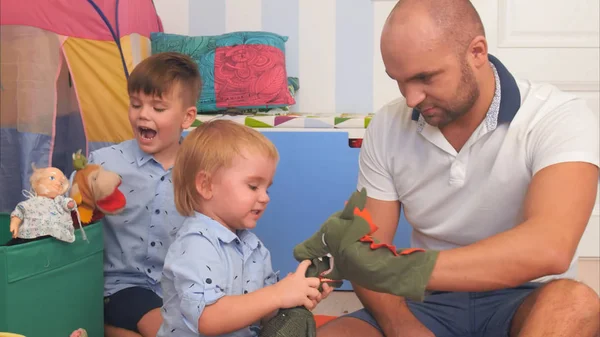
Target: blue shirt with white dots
136 241
206 262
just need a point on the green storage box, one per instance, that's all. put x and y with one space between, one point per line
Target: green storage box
50 288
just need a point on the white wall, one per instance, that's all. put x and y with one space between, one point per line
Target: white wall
333 45
334 48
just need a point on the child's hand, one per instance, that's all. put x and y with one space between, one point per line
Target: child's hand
323 295
296 289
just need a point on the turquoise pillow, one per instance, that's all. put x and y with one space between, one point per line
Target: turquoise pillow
239 70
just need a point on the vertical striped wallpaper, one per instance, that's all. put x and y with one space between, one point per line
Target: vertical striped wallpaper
333 45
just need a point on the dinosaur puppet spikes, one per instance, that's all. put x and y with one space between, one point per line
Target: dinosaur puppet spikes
355 207
357 202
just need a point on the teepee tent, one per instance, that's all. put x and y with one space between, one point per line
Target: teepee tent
64 67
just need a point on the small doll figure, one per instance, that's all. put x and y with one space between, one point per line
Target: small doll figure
46 212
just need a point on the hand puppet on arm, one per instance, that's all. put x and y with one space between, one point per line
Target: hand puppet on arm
344 249
95 190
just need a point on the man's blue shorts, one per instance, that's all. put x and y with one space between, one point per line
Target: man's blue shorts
451 314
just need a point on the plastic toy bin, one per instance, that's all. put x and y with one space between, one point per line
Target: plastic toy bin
49 288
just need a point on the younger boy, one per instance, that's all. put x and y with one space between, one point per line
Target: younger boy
163 90
218 278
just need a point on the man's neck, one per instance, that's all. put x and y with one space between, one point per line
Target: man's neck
459 131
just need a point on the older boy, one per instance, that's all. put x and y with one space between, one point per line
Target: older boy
163 90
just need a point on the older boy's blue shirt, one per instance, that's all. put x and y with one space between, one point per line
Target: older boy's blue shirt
136 241
206 262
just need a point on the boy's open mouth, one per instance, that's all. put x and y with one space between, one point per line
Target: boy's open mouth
147 133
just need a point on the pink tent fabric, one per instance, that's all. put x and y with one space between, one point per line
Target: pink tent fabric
81 18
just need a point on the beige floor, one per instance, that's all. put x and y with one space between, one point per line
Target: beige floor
342 302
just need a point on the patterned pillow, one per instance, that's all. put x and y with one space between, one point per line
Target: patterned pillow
240 70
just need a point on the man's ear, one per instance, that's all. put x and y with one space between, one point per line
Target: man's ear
204 185
478 51
189 117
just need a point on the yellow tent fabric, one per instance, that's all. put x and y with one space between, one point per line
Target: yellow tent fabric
94 64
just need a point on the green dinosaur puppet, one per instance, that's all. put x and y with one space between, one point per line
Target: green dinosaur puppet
343 249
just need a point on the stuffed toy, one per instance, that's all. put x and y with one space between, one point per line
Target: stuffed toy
95 190
343 249
79 333
46 212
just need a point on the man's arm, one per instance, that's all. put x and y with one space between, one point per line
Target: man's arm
562 149
556 211
390 311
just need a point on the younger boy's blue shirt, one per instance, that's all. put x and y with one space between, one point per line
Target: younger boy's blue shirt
136 241
206 262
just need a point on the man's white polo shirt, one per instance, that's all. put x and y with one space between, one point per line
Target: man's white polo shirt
455 199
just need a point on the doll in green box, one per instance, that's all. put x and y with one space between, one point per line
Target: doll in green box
46 212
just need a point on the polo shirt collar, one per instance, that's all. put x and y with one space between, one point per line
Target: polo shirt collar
510 101
142 157
227 236
249 239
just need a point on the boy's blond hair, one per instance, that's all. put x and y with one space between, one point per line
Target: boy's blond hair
161 73
208 148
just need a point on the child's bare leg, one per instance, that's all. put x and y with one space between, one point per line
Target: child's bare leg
111 331
132 312
150 323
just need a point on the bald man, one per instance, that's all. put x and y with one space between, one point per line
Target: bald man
498 174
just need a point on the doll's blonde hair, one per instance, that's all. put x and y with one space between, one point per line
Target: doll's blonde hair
212 146
38 174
